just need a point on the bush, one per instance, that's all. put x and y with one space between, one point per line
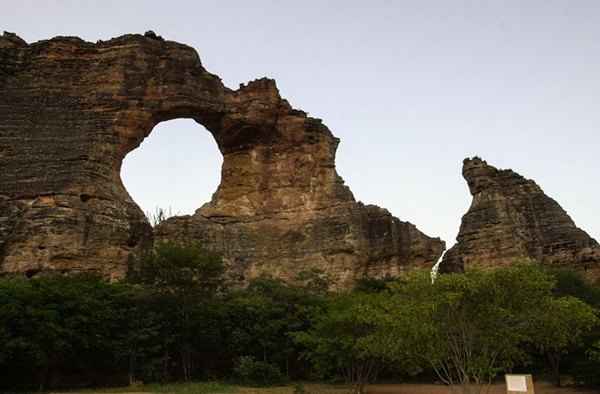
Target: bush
257 373
176 319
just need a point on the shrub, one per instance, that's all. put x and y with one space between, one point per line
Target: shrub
257 373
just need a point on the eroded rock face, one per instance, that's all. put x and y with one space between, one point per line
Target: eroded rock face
70 111
511 219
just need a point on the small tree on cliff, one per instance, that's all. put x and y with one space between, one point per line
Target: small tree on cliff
160 215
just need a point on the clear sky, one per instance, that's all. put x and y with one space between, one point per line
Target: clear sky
410 87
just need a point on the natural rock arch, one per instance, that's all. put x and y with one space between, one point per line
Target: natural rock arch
70 112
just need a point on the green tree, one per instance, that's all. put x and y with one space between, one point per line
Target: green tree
184 277
53 325
576 362
339 339
257 373
559 326
467 327
139 340
594 352
264 314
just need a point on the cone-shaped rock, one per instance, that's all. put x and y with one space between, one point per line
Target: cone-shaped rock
511 219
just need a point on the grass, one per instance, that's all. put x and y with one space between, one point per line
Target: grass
171 388
213 388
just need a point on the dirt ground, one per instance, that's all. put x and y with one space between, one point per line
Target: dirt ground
540 388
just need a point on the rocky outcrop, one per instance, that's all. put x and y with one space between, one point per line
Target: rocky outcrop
71 110
511 219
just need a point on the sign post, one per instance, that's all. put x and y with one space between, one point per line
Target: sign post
519 384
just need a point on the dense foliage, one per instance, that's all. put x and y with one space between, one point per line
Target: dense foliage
338 340
470 327
176 318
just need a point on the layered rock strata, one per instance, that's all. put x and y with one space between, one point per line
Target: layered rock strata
511 219
71 110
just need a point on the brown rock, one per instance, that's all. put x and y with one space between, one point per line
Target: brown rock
511 219
70 111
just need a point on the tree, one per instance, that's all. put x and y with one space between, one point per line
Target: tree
467 327
576 361
139 340
265 314
338 340
55 325
570 282
559 326
160 215
184 276
314 281
594 352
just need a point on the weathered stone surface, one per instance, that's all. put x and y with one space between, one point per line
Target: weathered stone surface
71 110
510 219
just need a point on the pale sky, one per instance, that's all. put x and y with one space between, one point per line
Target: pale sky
410 87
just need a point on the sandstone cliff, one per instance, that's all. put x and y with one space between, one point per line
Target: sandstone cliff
510 219
71 110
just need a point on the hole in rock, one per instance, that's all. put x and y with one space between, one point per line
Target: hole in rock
176 169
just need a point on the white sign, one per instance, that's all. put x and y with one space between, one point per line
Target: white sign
516 383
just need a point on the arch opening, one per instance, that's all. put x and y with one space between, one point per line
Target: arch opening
174 171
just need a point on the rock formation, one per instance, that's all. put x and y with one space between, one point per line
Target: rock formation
71 110
511 219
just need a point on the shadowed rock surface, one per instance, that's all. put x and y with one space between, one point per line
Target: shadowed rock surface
71 110
511 218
